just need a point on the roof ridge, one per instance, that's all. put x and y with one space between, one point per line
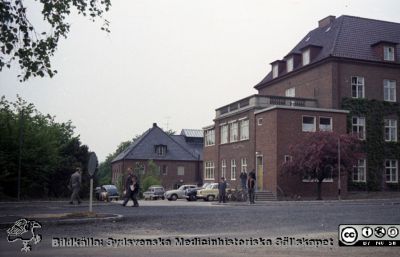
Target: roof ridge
184 148
337 35
132 146
363 18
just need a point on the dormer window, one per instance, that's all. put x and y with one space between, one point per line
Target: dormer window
289 64
275 70
306 56
388 53
161 150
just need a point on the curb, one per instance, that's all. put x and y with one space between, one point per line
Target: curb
315 202
114 218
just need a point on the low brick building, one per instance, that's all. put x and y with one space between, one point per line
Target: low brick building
342 76
178 157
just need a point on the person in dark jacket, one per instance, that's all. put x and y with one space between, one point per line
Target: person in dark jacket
222 190
251 185
131 189
75 185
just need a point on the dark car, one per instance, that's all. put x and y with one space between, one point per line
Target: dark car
106 193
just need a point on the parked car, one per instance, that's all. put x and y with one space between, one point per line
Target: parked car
173 195
210 193
191 193
154 193
107 193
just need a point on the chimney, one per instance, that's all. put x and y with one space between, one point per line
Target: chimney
326 21
154 125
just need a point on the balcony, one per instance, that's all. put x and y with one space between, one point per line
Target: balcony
263 101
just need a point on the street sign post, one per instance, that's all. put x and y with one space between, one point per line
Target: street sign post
92 165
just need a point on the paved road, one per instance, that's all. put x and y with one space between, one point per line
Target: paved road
189 221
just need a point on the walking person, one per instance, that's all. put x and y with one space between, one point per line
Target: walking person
251 184
131 189
222 190
75 185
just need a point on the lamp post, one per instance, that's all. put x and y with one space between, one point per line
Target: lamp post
21 130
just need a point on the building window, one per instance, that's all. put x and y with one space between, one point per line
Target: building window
243 163
389 90
325 124
209 171
359 171
234 132
290 92
358 127
306 57
308 124
161 150
210 137
233 169
259 121
244 129
223 168
275 70
287 158
391 171
388 53
224 134
390 130
289 64
164 170
357 87
139 168
181 171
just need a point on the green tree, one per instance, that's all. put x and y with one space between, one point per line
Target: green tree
45 158
32 47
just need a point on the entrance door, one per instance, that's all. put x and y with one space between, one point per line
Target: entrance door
260 173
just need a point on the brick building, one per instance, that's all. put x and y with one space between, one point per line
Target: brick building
178 157
342 76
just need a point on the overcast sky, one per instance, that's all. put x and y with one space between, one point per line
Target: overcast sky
171 61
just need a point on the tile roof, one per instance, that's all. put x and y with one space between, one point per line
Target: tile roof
348 37
177 147
192 133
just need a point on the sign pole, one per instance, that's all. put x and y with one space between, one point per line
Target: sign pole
92 165
339 179
91 194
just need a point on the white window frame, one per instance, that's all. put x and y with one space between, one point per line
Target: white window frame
244 129
391 171
161 150
359 127
388 53
360 171
259 121
209 172
224 134
289 64
314 124
275 71
290 92
243 165
223 168
234 132
287 158
209 137
389 90
358 87
233 169
390 130
330 128
180 170
306 57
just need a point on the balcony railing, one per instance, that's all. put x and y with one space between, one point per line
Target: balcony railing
264 101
